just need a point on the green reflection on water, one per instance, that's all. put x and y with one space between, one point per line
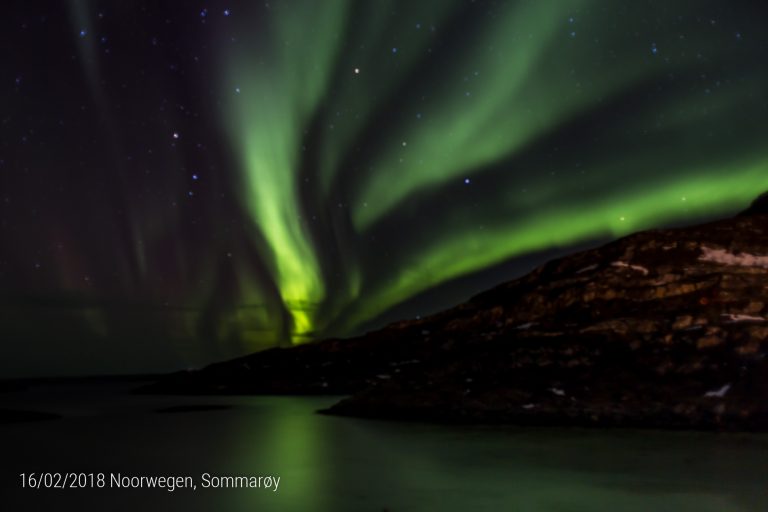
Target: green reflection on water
338 464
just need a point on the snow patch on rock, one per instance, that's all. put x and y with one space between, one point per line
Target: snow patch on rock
724 257
718 393
733 318
638 268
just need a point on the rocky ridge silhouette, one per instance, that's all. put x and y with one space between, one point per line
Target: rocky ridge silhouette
663 328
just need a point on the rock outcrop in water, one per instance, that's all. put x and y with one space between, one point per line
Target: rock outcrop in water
664 328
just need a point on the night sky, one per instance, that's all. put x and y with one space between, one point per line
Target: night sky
184 182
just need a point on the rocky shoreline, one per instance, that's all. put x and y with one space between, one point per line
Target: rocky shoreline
663 328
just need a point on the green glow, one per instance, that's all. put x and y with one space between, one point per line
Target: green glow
332 160
360 94
509 87
460 249
277 96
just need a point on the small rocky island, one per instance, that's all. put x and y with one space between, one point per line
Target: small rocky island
664 328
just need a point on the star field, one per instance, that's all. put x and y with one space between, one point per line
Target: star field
182 182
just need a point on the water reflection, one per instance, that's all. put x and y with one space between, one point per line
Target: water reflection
342 464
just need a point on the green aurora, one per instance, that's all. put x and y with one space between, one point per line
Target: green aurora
187 183
477 112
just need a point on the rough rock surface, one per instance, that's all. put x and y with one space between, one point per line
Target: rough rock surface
664 328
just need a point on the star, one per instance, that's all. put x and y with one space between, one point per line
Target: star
467 181
357 71
175 135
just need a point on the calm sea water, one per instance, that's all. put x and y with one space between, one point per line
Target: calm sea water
341 464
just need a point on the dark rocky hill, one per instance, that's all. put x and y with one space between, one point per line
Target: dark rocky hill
663 328
758 207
